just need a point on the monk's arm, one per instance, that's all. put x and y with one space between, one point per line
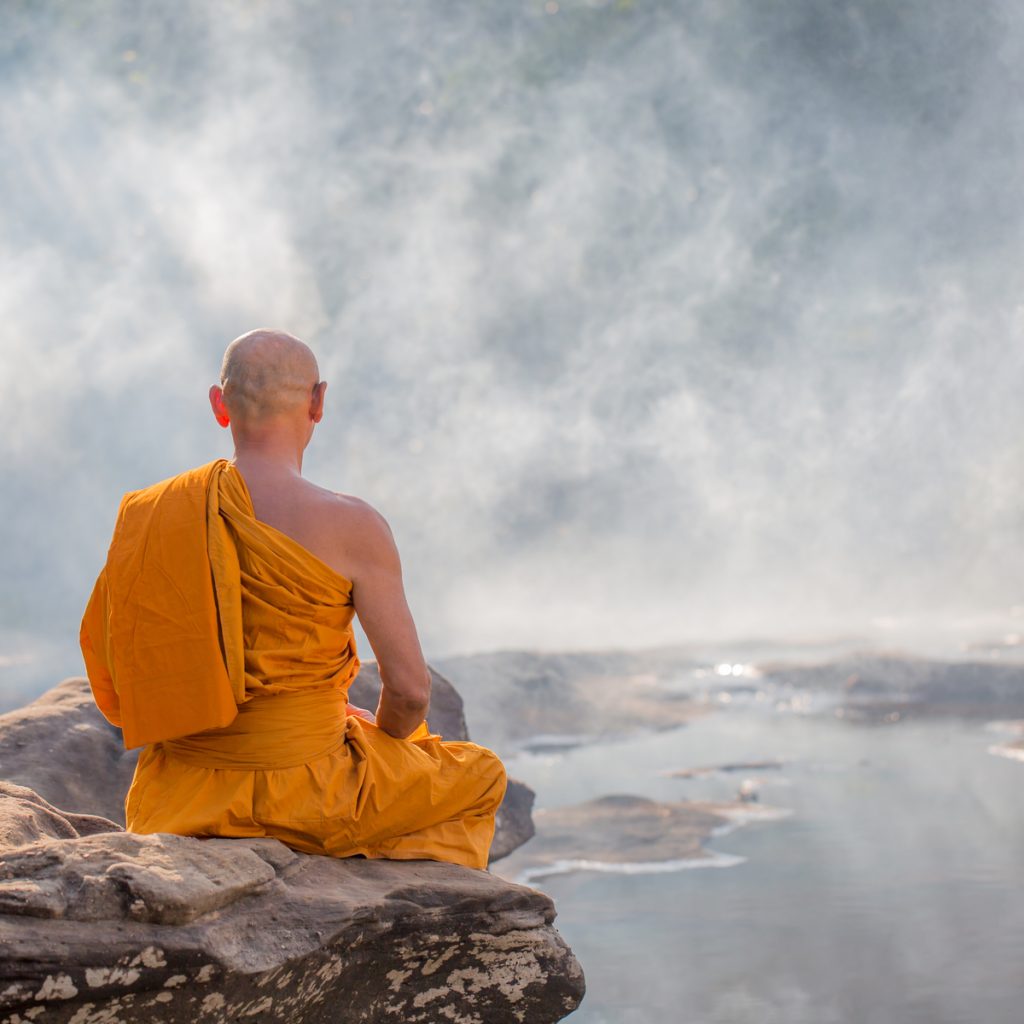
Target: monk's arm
379 598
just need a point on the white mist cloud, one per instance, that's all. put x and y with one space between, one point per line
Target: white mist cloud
642 321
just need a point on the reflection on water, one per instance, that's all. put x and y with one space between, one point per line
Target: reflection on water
891 893
636 867
1005 750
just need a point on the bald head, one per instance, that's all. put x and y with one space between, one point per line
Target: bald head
267 374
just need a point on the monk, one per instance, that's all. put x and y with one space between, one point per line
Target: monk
219 638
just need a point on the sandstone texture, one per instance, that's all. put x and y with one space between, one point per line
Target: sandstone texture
111 926
99 926
63 748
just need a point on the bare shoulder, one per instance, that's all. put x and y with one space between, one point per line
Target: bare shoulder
355 512
359 533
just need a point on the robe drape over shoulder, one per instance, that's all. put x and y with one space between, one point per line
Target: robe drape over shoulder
225 648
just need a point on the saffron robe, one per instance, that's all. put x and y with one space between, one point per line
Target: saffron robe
226 648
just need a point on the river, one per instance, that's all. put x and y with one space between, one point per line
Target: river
892 892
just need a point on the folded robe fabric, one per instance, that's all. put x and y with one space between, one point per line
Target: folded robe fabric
151 637
226 648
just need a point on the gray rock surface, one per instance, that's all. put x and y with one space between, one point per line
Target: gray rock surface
514 698
514 821
108 926
64 749
627 832
99 926
25 816
535 700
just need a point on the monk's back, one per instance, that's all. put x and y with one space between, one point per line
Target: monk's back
324 523
219 635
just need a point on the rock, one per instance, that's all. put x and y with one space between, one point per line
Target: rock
98 925
532 700
514 825
547 702
627 833
64 749
748 791
877 686
105 877
729 766
25 816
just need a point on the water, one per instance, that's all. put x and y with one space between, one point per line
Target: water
891 894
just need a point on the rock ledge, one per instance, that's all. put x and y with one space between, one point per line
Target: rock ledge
100 926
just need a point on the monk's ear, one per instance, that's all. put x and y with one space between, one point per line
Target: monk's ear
220 412
316 406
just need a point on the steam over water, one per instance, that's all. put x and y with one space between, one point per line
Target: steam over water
643 321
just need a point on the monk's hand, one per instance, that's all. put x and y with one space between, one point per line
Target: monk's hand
400 713
370 717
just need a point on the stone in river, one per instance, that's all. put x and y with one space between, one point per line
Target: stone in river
622 832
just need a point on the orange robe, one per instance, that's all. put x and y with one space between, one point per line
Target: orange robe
226 648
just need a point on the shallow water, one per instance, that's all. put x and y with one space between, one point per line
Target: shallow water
893 892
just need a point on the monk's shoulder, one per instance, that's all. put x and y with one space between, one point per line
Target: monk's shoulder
195 479
354 521
189 487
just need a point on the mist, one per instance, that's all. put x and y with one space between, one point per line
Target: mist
644 322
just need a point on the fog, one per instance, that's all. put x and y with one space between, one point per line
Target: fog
644 322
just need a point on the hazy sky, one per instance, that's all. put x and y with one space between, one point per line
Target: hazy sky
642 321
